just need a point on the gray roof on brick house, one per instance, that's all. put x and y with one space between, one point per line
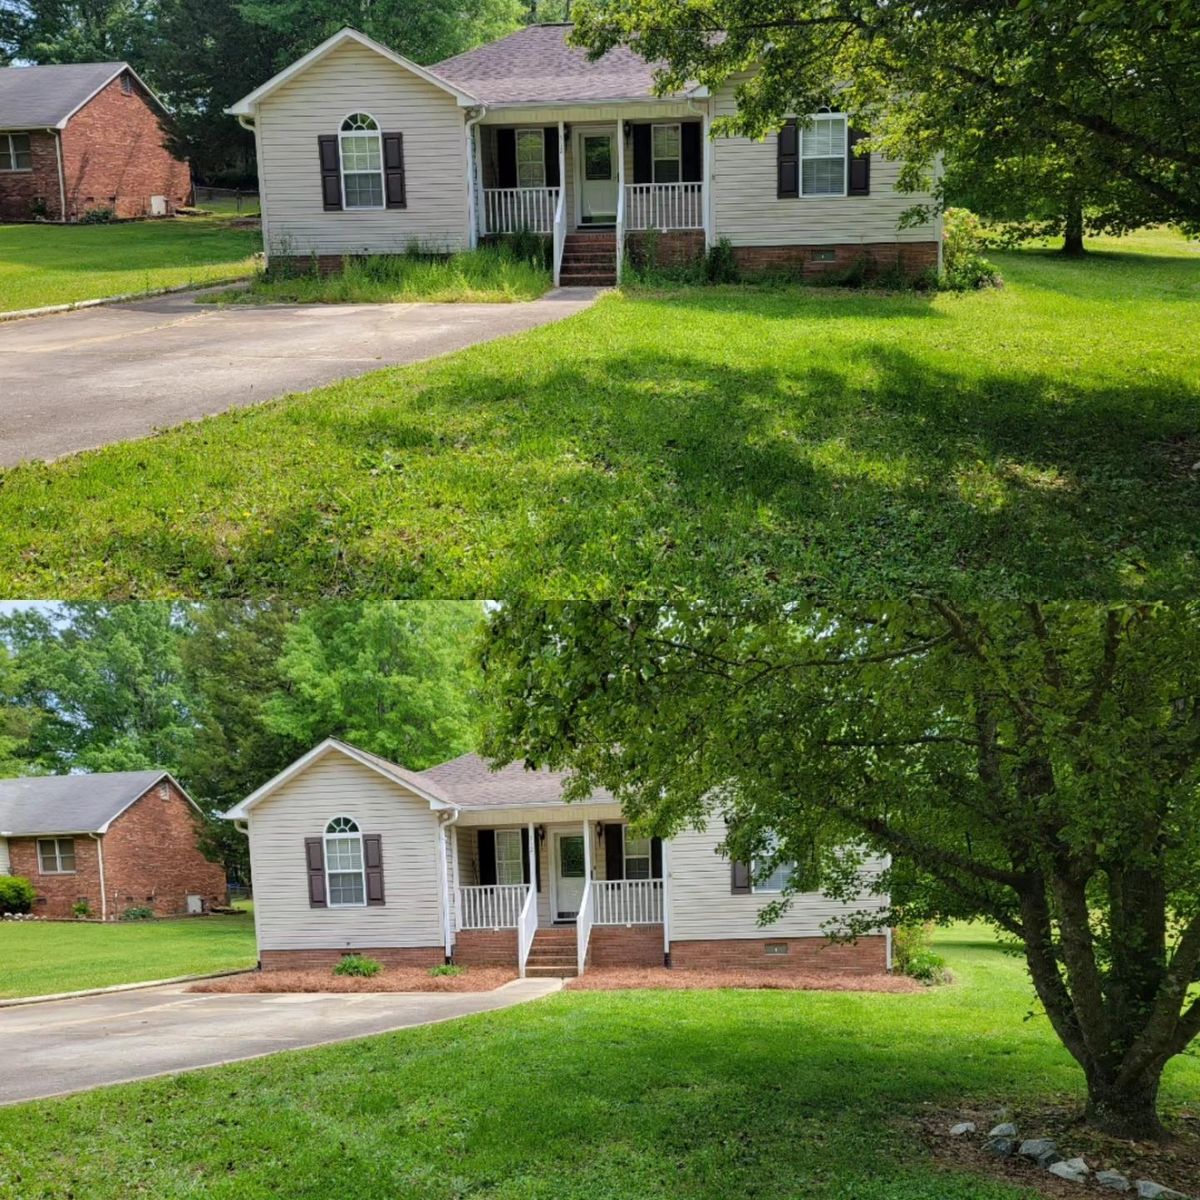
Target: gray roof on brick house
470 782
70 803
537 65
47 97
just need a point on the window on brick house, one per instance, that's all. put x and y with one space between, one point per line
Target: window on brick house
15 152
56 856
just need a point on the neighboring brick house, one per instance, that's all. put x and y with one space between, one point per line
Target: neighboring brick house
119 840
84 136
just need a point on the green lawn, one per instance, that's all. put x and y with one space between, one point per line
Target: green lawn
585 1096
1035 440
41 959
56 264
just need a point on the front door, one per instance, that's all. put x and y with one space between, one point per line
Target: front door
595 152
568 875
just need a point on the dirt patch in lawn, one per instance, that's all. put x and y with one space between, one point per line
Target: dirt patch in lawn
1174 1164
610 978
400 979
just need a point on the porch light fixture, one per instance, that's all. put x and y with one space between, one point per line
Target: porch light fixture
541 833
627 129
599 831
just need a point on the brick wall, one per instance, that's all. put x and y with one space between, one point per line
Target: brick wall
486 947
55 894
114 157
390 956
805 262
866 956
675 248
151 857
626 946
20 189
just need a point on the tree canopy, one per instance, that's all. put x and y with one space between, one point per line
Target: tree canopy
1035 767
1119 80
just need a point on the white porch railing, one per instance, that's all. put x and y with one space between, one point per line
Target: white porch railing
493 905
628 902
560 233
514 210
526 929
665 205
583 924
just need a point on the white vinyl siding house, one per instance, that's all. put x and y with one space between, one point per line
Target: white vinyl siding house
337 786
353 79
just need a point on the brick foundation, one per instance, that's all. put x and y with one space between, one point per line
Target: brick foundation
675 248
807 262
486 947
626 946
867 956
390 956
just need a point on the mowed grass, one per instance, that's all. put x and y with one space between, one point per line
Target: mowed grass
41 958
584 1096
57 264
484 276
1035 440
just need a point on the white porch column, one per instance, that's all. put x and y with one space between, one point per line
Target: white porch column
533 856
587 853
562 161
666 898
620 195
706 200
444 887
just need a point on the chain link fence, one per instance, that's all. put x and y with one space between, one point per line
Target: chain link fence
228 200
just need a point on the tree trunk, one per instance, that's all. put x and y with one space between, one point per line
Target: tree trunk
1073 228
1126 1112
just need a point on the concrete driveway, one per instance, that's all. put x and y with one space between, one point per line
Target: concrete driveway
76 380
65 1046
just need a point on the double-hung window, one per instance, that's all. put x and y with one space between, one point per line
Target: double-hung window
823 147
344 872
15 152
778 878
531 158
509 867
666 150
56 856
362 162
637 857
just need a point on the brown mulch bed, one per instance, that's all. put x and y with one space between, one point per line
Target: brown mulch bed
603 979
1174 1164
396 979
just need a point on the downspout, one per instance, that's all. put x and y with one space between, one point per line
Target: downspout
250 124
472 199
244 829
62 178
444 823
99 840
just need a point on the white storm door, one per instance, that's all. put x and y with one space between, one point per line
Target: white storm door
596 154
568 875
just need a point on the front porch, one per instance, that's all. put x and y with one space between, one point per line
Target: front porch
604 173
555 896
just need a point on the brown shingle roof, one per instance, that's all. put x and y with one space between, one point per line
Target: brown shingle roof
469 782
536 64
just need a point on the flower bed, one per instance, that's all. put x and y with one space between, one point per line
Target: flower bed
610 978
396 979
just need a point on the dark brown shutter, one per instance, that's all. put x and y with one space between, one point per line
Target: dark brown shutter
537 862
614 852
373 861
314 857
506 157
393 170
552 176
739 878
643 155
487 856
691 147
788 160
859 175
656 863
331 175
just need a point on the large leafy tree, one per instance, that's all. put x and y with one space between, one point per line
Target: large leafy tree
71 31
396 678
924 75
1036 767
17 719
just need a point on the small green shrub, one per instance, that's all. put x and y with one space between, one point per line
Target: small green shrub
964 268
138 912
98 216
720 266
445 969
913 954
16 894
81 908
358 964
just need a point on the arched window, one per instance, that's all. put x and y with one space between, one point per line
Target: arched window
362 162
345 876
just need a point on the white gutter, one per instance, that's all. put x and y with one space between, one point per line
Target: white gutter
243 828
472 199
62 178
444 823
251 125
99 840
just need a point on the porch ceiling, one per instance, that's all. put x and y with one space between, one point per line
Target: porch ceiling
557 814
595 113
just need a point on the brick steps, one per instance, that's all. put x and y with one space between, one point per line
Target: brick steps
553 955
589 260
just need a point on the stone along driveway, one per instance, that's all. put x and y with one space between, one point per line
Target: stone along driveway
73 1045
82 379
